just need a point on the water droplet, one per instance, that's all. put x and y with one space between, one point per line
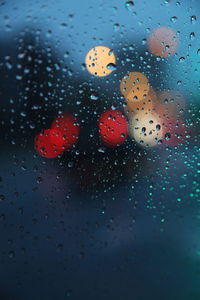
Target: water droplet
167 136
144 41
111 67
70 164
101 150
174 19
181 59
192 35
11 254
193 19
116 27
39 179
129 5
23 114
94 97
2 197
158 127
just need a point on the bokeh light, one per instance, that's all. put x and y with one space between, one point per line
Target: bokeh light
175 132
49 143
100 61
134 87
69 128
147 104
163 42
146 129
113 128
170 104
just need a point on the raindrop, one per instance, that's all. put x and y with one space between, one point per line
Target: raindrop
11 254
167 136
101 150
174 19
158 127
144 41
181 59
111 67
192 35
2 197
116 27
70 164
193 19
94 97
129 5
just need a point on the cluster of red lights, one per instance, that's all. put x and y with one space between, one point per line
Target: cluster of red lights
113 131
64 133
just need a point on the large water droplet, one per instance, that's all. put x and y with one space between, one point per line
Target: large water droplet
111 67
129 5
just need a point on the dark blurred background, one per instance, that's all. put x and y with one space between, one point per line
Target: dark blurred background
96 222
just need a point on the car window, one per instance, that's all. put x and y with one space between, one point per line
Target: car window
99 177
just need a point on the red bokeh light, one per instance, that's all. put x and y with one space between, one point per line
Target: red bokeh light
175 132
49 143
69 128
113 128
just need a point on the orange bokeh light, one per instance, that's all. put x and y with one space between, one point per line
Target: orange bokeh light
147 104
134 87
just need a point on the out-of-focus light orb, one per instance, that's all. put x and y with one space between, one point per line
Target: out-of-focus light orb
147 104
113 128
134 87
170 104
100 61
49 143
69 128
163 42
175 132
146 129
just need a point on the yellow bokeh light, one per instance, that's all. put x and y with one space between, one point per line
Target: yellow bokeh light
146 129
163 42
134 87
100 61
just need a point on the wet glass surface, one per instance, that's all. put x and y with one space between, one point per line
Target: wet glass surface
99 177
